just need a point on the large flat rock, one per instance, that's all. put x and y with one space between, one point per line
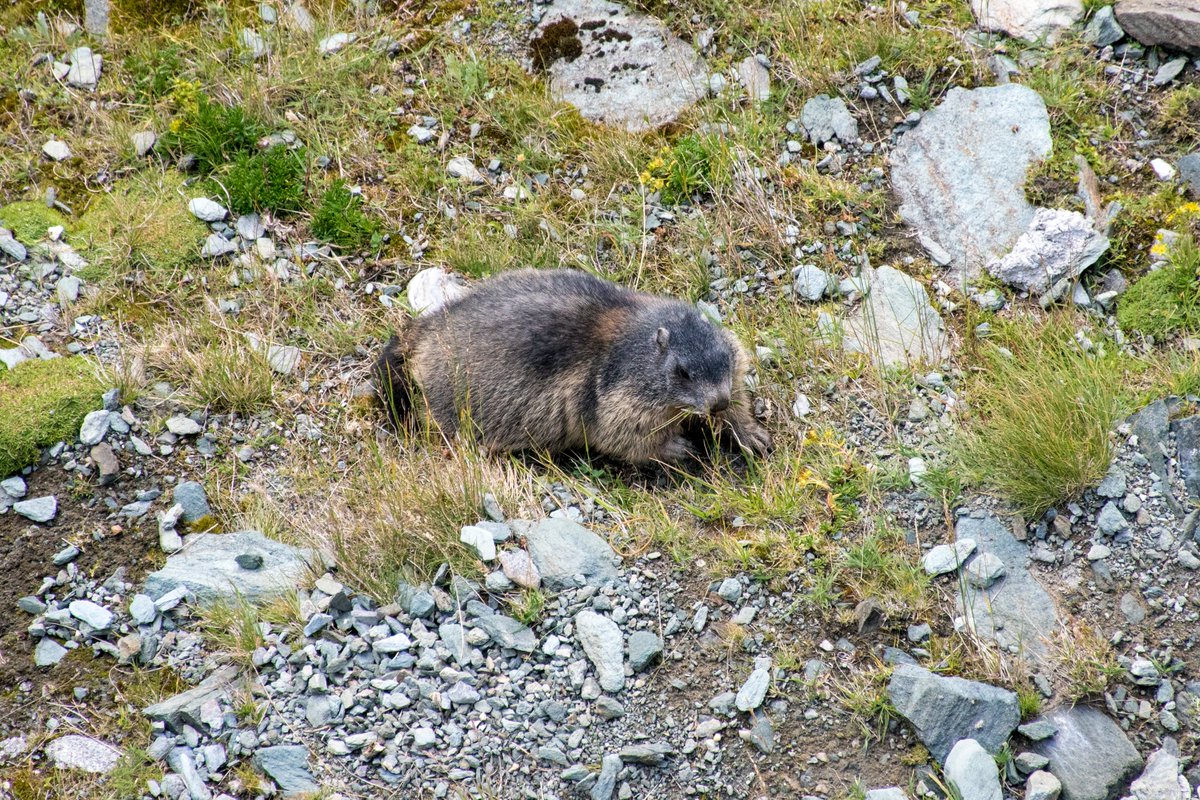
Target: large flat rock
567 553
960 174
207 566
1016 612
895 324
1169 23
1032 20
617 67
1090 755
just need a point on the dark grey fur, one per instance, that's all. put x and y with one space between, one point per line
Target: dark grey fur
550 360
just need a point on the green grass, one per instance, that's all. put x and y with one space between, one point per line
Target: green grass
339 219
1166 301
1039 430
273 180
212 132
28 220
42 403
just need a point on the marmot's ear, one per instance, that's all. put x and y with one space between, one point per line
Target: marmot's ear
663 337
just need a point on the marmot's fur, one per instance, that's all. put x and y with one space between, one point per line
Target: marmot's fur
552 360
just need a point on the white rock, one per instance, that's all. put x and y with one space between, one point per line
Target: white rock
1042 785
985 569
946 558
207 210
480 541
810 282
916 469
461 167
972 770
1032 20
82 753
298 18
183 426
217 245
331 44
253 43
432 288
895 324
84 72
143 142
93 614
1162 169
57 150
283 358
755 78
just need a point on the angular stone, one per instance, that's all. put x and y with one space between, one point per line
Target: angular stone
208 568
38 509
946 558
143 142
1032 20
960 174
972 771
97 616
826 118
1187 445
1057 246
192 500
464 170
48 652
1090 755
207 210
755 78
1102 29
82 753
810 282
895 324
644 648
185 708
84 70
985 569
519 568
752 693
945 710
287 765
604 645
1042 785
1170 23
508 632
432 288
183 426
1017 613
562 549
479 541
615 66
1160 780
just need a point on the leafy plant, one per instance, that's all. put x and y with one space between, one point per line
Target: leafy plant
266 181
211 132
340 220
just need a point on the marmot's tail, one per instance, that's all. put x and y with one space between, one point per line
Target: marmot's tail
392 379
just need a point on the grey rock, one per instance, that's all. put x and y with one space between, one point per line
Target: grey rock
755 78
1042 785
283 358
335 42
95 615
68 289
209 570
1057 246
143 142
1017 613
1187 444
1169 71
1150 426
1189 173
464 170
508 632
85 67
454 637
38 509
287 765
562 549
1032 20
191 497
183 426
185 708
432 288
95 17
946 558
1090 755
944 710
889 793
730 590
48 652
826 118
1102 29
895 324
16 251
479 541
1037 730
14 487
629 71
761 734
94 427
1110 521
142 609
519 568
1169 23
250 227
604 645
972 771
960 174
463 694
752 693
1114 483
183 762
985 569
31 605
66 555
322 709
606 782
1160 780
644 649
207 210
650 754
253 43
83 753
810 282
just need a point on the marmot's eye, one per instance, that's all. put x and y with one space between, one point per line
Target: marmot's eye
682 373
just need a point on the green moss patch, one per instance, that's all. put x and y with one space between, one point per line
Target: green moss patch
1166 301
41 403
28 220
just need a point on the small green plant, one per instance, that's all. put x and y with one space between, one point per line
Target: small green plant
528 606
685 170
1042 414
266 181
153 72
212 132
1029 701
1166 301
340 219
41 403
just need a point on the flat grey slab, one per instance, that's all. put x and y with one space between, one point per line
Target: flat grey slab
208 568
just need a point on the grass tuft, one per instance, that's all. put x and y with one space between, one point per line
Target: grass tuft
212 132
1042 415
339 219
1166 301
269 181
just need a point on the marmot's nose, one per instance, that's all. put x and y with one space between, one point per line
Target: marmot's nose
718 405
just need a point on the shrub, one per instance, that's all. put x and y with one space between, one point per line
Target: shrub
1042 414
41 403
340 220
212 132
266 181
1168 300
684 170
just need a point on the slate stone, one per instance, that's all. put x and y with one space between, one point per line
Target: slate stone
1149 425
972 771
508 632
1102 29
604 645
960 174
185 708
287 765
562 549
826 118
944 710
1090 755
1187 445
208 568
1174 24
192 497
895 324
644 648
48 652
38 509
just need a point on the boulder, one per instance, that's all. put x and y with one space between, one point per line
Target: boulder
562 550
208 568
944 710
960 174
615 66
1031 20
1090 755
895 324
1170 23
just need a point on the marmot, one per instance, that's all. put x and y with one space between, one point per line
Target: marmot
553 360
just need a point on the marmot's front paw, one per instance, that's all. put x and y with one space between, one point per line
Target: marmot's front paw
753 436
674 449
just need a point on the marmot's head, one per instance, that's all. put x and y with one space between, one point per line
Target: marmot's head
694 364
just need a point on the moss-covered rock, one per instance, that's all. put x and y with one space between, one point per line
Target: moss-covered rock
142 224
28 220
41 403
